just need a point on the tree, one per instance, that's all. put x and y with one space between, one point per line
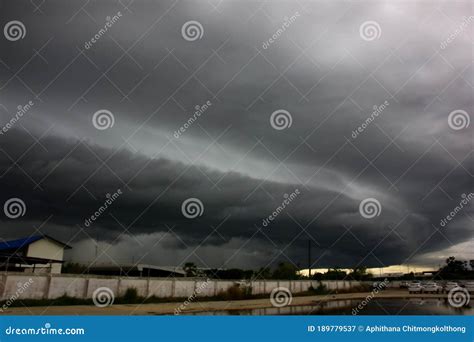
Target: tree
263 273
233 273
190 268
317 276
286 270
335 274
360 273
453 266
409 276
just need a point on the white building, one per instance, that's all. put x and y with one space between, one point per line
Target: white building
38 254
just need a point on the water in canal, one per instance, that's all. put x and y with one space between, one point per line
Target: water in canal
345 307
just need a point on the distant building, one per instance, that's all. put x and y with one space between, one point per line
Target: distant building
34 254
135 270
392 275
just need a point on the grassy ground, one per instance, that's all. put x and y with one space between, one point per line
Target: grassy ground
131 297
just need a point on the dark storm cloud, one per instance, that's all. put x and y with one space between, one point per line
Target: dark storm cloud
231 158
68 180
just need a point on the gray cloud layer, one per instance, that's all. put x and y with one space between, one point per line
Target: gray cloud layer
320 70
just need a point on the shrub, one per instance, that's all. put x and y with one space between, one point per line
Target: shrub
321 289
235 292
130 296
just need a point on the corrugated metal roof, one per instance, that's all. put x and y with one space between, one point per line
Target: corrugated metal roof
19 243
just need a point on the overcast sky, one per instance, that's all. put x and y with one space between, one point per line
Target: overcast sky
319 67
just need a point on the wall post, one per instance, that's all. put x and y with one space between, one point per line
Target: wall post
173 286
4 286
86 287
119 282
48 286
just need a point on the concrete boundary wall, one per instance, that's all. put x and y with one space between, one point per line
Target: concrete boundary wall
50 286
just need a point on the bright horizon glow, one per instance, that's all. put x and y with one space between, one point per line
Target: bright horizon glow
378 270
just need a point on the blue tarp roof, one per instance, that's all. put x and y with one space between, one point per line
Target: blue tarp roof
19 243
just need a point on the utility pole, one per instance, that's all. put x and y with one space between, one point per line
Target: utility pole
309 259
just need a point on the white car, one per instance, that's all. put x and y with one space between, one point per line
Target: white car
414 287
469 286
450 285
404 284
431 287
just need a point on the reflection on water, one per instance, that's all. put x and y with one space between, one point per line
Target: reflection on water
413 306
